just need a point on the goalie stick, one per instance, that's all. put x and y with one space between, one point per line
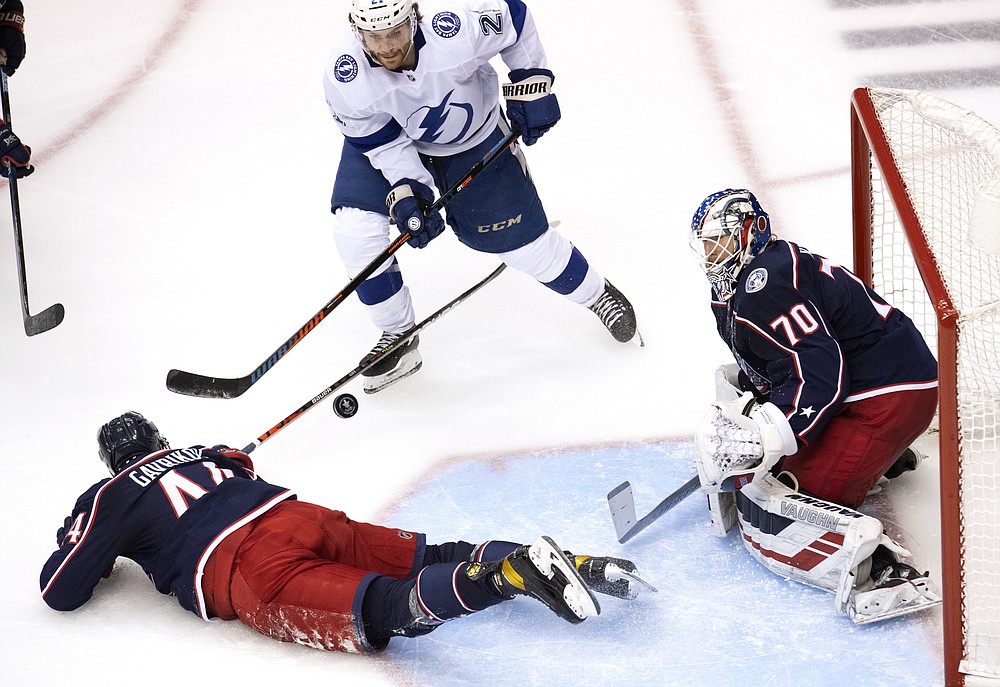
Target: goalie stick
413 331
53 315
191 384
622 507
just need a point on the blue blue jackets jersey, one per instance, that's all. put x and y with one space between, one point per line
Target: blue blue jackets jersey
809 336
167 512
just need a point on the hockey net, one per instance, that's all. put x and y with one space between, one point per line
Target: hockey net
925 180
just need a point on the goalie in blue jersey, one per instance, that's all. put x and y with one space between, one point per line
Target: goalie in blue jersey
830 387
412 91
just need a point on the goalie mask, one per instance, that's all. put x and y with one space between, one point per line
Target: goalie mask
122 439
728 230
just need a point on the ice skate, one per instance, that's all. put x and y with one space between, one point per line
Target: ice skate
617 315
616 577
897 589
394 364
908 460
543 572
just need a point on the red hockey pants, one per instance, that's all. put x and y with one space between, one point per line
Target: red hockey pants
299 573
860 443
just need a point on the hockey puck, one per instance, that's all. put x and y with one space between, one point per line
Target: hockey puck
345 405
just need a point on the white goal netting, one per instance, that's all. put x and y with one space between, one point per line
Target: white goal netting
949 161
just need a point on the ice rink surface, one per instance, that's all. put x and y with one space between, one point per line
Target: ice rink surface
180 213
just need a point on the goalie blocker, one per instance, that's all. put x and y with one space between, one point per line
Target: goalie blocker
795 535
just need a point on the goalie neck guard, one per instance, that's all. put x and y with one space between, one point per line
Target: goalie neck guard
728 230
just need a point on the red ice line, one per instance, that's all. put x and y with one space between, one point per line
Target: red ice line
149 63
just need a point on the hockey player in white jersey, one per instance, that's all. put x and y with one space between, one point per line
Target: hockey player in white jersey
412 90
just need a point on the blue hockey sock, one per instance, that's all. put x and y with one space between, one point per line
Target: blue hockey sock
445 591
572 276
492 551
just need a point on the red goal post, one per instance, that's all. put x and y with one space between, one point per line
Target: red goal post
925 180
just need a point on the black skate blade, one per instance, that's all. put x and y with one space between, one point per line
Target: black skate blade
392 379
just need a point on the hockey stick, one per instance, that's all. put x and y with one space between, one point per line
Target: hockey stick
413 331
53 315
622 507
192 384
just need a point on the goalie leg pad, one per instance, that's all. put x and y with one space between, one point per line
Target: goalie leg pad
807 539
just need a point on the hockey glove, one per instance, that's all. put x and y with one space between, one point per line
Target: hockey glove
61 532
235 454
11 36
409 204
532 107
13 153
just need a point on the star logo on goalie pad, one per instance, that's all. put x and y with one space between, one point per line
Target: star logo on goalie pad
808 412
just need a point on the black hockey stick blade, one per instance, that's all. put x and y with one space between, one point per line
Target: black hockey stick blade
413 331
53 315
622 507
49 318
191 384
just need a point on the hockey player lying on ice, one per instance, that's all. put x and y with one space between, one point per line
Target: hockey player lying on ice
229 545
830 388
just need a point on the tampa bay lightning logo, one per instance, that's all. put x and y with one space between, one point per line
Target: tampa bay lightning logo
446 122
446 24
757 280
345 69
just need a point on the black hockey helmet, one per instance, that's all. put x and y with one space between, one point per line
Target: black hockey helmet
125 437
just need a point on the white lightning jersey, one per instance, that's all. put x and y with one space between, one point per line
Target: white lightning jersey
448 102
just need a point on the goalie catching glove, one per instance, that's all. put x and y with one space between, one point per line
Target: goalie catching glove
739 440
